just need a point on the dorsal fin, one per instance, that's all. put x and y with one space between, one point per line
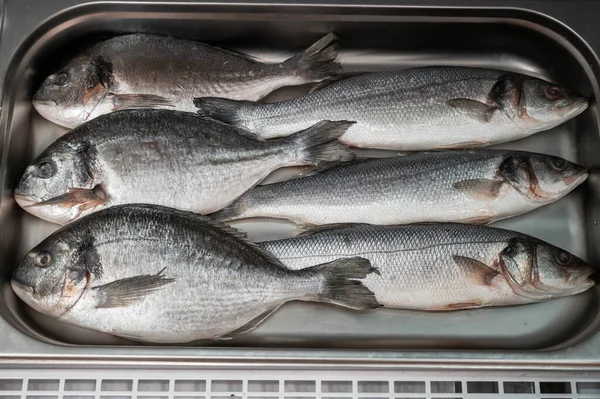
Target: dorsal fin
241 55
240 235
201 218
264 253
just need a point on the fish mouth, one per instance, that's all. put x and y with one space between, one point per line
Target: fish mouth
569 183
582 280
585 276
22 290
578 106
575 180
37 102
26 201
28 295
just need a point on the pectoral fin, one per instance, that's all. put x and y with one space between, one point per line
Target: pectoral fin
482 112
124 292
479 272
132 101
483 189
81 198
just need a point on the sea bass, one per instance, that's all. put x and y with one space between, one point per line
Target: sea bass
152 71
444 266
162 157
468 186
159 275
415 109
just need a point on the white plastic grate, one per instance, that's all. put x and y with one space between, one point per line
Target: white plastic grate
291 384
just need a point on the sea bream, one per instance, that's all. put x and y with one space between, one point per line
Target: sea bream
162 157
444 266
153 71
414 109
158 275
467 186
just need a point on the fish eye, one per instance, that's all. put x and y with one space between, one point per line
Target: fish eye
563 258
552 93
44 259
558 164
61 79
46 170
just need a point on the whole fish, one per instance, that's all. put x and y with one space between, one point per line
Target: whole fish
159 275
474 186
444 266
152 71
167 158
415 109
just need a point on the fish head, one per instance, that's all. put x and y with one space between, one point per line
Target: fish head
550 104
534 104
69 96
541 178
537 271
562 271
48 187
52 277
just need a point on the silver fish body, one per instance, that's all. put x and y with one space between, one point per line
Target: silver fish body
158 275
444 266
475 186
415 109
167 158
144 70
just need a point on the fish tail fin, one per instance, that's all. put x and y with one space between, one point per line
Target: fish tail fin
317 62
341 286
319 145
222 109
233 211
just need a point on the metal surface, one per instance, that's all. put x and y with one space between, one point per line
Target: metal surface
291 384
560 333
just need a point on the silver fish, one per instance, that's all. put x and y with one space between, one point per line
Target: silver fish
159 275
152 71
475 186
415 109
444 266
167 158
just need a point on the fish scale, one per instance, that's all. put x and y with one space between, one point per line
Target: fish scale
154 71
167 158
467 186
416 267
155 268
413 109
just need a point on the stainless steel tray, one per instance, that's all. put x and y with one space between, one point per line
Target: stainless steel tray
38 36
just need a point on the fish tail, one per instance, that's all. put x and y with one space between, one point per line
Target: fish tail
317 62
340 285
232 212
319 145
222 109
